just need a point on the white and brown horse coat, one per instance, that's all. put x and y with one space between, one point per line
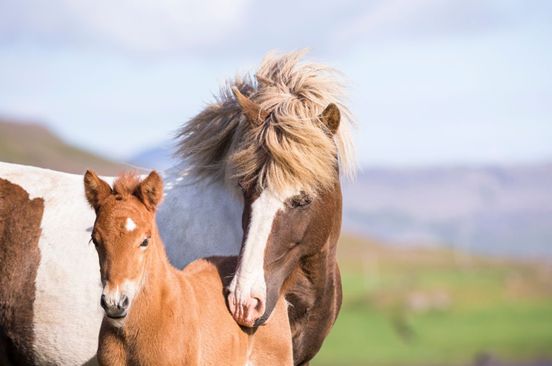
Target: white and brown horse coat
20 219
63 313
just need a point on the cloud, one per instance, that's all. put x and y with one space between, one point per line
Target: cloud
142 25
243 27
408 20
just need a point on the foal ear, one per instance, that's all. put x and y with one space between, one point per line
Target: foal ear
150 191
96 190
331 117
250 109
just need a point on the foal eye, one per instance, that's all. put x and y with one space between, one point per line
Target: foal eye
144 243
302 200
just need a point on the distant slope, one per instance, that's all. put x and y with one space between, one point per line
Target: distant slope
33 144
489 209
158 157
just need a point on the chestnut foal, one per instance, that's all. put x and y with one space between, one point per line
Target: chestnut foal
156 314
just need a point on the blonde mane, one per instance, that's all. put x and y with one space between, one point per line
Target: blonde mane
292 148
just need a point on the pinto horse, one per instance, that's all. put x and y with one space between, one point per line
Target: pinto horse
282 140
156 314
234 169
49 308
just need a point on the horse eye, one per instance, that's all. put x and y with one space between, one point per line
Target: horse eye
301 201
93 241
145 243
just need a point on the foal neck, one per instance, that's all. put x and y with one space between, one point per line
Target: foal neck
158 276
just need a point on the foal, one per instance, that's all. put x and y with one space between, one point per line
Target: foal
156 314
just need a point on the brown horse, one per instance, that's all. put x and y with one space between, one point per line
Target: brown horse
156 314
282 139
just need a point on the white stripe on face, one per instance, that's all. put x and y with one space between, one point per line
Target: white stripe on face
249 279
130 225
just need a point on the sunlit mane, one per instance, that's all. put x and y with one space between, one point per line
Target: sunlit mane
292 148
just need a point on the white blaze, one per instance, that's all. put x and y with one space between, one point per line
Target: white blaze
130 225
250 274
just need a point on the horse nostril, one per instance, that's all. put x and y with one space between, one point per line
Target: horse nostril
124 302
103 303
259 306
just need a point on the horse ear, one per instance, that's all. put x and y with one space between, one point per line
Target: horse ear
96 190
250 109
150 191
331 117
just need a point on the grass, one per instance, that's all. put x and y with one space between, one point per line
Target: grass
435 307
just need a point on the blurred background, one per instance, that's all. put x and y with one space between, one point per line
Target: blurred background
446 252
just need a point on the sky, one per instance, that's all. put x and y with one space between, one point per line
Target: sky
429 81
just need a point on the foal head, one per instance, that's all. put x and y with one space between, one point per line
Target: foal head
286 219
124 234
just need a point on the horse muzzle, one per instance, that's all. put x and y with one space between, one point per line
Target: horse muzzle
246 310
115 308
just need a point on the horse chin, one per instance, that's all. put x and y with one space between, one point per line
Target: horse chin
117 321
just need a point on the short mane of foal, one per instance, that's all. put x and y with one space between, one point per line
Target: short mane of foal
156 314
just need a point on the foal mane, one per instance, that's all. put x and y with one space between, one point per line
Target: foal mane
292 148
126 184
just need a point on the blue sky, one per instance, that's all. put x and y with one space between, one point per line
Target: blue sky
430 81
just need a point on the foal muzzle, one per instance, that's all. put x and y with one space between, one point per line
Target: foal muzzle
115 308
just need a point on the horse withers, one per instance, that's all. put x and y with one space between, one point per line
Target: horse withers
156 314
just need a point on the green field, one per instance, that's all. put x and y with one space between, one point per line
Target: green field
431 306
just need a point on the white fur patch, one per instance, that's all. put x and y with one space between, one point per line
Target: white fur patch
130 224
250 275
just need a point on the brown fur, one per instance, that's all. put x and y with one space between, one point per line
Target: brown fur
20 220
300 262
177 317
266 137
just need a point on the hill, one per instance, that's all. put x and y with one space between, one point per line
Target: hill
504 210
157 157
34 144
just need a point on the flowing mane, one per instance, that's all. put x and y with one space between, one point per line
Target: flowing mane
291 148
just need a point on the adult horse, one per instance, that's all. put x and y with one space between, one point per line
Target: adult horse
283 140
201 216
